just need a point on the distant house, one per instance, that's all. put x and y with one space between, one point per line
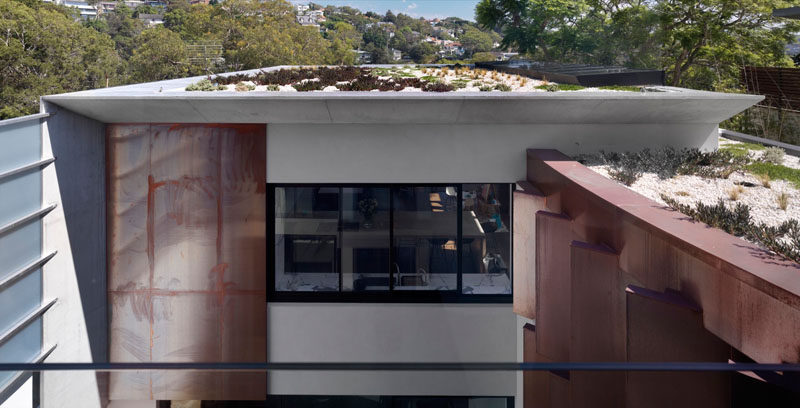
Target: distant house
152 20
86 10
363 57
397 55
302 8
307 21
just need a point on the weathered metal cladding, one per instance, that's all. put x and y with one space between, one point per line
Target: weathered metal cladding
187 260
593 239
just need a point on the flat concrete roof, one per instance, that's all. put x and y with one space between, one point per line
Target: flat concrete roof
167 102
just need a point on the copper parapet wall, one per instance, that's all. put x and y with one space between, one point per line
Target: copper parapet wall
186 273
619 277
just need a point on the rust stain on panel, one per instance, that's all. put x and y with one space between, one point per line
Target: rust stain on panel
187 218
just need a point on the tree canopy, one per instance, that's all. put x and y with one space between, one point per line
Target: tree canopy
44 51
699 43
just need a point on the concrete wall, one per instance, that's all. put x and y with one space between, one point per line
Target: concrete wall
303 332
78 322
450 153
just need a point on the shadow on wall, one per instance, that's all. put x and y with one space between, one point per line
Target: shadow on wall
78 144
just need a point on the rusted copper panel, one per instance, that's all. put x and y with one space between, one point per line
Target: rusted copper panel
598 324
553 237
535 384
526 203
750 298
665 326
187 259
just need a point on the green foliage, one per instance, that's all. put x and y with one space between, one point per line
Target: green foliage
502 88
423 52
459 83
548 87
205 85
773 155
783 239
741 149
776 172
45 51
244 87
667 162
482 57
701 44
474 40
560 87
625 88
159 54
715 164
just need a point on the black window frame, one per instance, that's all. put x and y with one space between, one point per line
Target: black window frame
390 295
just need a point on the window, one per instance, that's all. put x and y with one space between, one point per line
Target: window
385 243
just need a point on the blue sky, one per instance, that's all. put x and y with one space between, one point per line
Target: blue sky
415 8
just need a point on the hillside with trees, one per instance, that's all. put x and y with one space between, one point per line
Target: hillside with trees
701 44
48 49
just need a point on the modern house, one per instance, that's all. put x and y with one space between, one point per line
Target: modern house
147 223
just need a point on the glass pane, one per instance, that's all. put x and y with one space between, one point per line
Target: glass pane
365 239
19 299
306 232
425 236
486 244
19 247
21 195
22 144
23 347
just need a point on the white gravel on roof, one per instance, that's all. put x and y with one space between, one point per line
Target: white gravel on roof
472 80
763 201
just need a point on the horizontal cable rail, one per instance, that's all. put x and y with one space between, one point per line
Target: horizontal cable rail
792 150
22 119
593 366
26 219
15 276
16 381
27 167
28 319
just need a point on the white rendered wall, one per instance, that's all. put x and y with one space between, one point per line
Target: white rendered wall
350 153
450 153
364 332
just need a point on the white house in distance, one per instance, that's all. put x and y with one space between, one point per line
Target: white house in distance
281 226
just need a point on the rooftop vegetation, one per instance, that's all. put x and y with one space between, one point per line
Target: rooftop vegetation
745 189
397 78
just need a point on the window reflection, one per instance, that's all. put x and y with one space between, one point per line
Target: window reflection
486 250
425 236
365 238
399 238
306 231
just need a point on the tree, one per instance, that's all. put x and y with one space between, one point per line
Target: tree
483 57
375 35
159 54
474 40
423 52
121 26
343 38
45 51
702 38
530 25
699 43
